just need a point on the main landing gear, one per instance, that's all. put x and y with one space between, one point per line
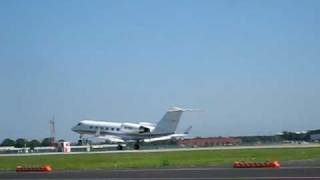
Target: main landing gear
119 147
136 146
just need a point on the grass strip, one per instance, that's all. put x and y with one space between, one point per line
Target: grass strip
158 159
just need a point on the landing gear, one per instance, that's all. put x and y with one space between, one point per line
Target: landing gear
80 141
119 147
136 146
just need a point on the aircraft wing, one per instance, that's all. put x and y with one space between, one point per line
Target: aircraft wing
111 138
172 136
163 138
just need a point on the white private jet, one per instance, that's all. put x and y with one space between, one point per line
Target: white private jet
134 132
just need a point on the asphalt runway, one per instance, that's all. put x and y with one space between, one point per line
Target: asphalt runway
176 174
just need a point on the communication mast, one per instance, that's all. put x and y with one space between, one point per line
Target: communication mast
52 131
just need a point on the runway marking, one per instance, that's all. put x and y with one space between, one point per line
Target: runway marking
241 178
226 178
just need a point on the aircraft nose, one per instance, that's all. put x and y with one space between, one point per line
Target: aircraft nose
74 129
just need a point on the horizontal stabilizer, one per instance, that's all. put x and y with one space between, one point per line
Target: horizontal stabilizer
187 131
168 124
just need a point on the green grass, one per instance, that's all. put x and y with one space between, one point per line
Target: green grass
159 159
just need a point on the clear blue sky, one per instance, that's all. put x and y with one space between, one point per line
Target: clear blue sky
252 65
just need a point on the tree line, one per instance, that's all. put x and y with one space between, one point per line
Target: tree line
22 142
284 136
298 136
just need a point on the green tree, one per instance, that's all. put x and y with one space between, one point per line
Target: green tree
46 142
8 142
21 142
293 136
34 143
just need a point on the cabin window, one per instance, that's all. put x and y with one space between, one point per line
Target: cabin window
96 127
112 129
118 129
107 128
91 127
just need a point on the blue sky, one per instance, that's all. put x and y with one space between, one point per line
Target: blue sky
252 65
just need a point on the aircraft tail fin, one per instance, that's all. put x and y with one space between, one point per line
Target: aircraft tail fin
169 122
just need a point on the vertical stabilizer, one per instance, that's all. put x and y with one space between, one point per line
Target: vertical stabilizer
169 123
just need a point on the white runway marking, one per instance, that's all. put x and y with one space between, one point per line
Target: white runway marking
226 178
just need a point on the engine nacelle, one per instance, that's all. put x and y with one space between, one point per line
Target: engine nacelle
132 128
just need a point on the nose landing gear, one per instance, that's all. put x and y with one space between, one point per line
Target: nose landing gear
119 147
136 146
80 141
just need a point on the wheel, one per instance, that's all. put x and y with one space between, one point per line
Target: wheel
136 146
119 147
80 141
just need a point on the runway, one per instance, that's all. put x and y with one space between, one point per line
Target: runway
174 149
176 174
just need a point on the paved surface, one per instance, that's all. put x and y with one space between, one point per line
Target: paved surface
177 149
305 169
181 173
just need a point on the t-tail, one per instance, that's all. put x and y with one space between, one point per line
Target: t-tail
169 123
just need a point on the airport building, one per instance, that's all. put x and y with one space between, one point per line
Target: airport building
315 137
210 141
